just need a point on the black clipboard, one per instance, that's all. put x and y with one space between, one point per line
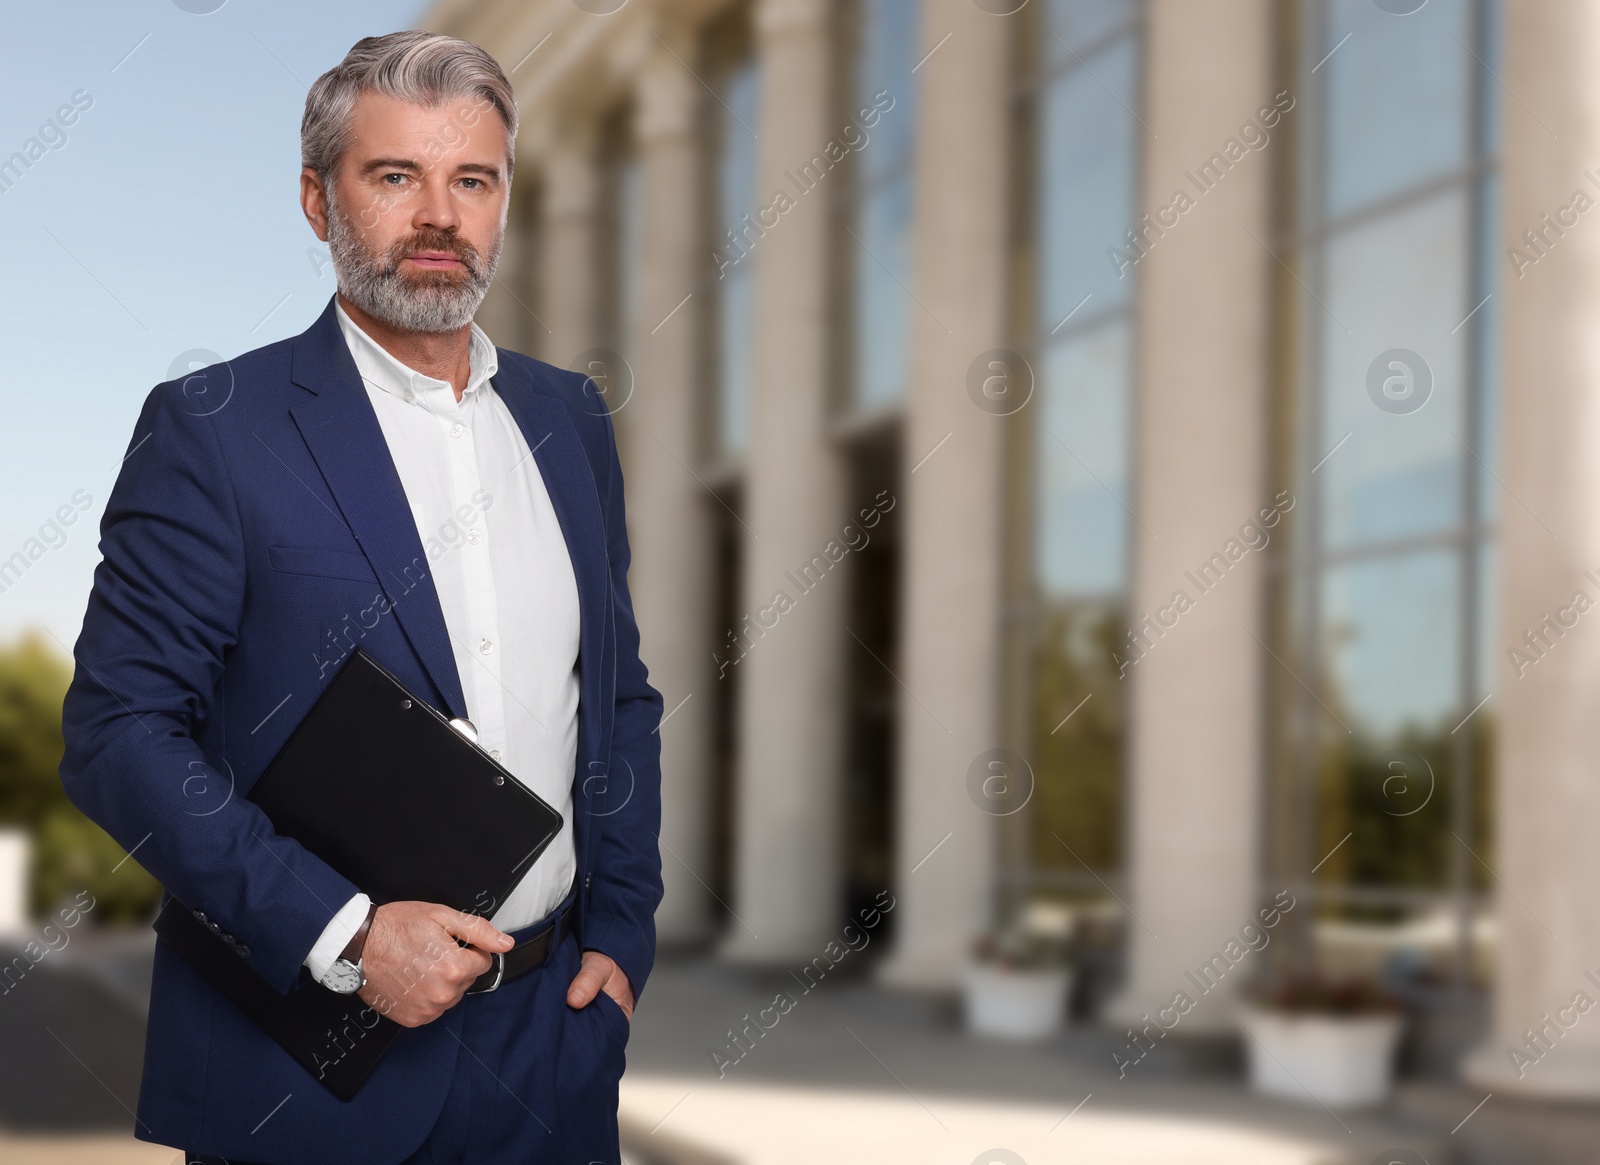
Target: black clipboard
375 782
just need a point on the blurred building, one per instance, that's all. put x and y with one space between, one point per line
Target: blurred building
1134 454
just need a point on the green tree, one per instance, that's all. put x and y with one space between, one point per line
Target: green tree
70 852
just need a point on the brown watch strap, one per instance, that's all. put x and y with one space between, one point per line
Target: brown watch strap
352 950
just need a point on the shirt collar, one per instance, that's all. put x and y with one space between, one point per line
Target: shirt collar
378 367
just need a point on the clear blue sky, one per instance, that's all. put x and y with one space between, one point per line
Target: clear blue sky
167 222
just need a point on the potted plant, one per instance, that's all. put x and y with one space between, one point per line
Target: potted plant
1016 984
1447 1014
1332 1038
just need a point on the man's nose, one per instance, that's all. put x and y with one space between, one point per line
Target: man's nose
436 209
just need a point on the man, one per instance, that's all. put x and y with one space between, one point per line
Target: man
387 478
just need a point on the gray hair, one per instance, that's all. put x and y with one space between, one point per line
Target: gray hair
424 68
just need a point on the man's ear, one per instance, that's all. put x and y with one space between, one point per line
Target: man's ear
314 202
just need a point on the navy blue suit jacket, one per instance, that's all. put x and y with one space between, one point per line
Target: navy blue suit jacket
257 532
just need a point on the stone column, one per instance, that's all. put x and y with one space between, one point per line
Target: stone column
667 507
570 276
952 499
787 865
1547 802
1194 777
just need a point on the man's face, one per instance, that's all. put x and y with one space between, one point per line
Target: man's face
417 210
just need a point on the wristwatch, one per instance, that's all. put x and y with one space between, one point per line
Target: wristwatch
344 974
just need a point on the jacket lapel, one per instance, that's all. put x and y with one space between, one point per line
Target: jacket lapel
342 432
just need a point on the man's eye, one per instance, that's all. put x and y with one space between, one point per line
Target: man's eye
472 183
394 179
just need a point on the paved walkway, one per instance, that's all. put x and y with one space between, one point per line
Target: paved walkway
853 1073
848 1073
771 1125
110 1149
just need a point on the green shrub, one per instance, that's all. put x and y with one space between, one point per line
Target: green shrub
70 852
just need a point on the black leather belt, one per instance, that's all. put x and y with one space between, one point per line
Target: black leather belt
527 955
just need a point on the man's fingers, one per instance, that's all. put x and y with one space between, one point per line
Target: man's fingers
422 956
585 986
480 932
462 965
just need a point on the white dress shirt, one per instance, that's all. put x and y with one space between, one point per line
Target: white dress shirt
505 582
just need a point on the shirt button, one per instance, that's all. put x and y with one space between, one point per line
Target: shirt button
495 752
474 537
457 430
411 397
485 647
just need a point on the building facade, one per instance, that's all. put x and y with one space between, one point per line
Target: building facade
1128 454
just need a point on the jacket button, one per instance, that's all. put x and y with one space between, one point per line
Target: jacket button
242 951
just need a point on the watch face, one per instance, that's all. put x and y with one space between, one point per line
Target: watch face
344 977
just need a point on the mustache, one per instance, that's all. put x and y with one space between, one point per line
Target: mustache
446 241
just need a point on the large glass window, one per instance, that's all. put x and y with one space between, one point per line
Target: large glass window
1081 138
881 46
1380 770
732 115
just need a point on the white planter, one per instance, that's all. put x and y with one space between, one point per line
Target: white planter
1015 1005
15 851
1342 1061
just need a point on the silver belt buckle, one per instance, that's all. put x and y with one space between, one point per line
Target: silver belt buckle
499 959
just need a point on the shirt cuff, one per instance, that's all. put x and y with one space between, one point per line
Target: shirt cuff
337 935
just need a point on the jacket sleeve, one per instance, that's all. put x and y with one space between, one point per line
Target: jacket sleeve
620 914
165 611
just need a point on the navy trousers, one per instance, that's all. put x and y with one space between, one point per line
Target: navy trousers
536 1080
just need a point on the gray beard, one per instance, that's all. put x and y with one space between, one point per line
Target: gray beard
373 281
